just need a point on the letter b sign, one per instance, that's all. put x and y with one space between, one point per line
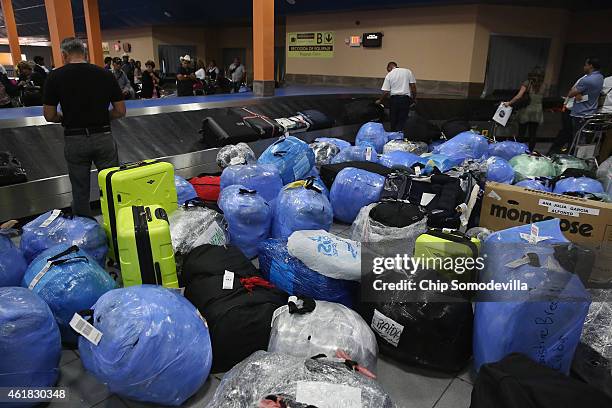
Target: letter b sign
319 38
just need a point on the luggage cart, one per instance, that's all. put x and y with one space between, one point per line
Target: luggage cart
588 139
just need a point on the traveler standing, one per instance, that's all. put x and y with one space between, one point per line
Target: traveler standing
606 92
212 71
237 74
108 63
40 66
122 79
185 78
150 81
400 84
84 92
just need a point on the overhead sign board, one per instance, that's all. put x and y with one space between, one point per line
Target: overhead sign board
312 44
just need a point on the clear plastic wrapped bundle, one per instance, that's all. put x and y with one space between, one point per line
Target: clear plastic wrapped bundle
69 280
356 153
372 133
540 184
563 162
29 341
184 190
12 262
530 166
597 330
311 382
604 174
578 185
395 145
193 224
55 227
324 152
155 346
292 276
400 159
301 206
263 178
507 149
499 170
248 216
342 144
466 145
291 156
441 162
352 189
310 327
239 153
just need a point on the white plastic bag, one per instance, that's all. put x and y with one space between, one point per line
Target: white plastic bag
192 226
604 174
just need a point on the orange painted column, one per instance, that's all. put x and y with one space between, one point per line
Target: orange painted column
61 25
11 30
263 47
94 33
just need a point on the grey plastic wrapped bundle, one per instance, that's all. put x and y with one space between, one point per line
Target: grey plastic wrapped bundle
193 225
563 162
240 153
324 152
306 328
320 383
529 166
417 148
604 175
597 330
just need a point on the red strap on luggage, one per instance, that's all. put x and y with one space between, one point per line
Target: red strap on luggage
262 117
250 283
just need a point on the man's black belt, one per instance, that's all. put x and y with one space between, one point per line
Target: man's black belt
86 131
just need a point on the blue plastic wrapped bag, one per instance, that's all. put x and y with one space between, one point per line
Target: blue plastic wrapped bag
12 263
155 346
248 216
353 189
291 275
291 156
435 144
356 153
30 343
400 159
578 185
535 184
441 162
507 149
73 281
394 136
372 133
342 144
301 206
465 145
263 178
184 190
55 227
499 170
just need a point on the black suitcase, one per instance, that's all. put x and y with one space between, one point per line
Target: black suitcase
518 382
318 120
328 172
397 214
226 128
361 111
263 125
453 127
239 318
419 129
11 171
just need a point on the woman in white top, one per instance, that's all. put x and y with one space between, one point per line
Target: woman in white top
212 71
201 70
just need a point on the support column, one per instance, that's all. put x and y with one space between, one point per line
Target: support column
11 30
61 25
94 33
263 47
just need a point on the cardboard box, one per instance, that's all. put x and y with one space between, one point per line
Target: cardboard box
583 221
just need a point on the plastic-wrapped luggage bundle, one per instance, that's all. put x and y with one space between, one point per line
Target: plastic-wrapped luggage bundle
342 144
511 321
353 189
466 145
395 136
311 382
301 206
372 133
563 162
307 328
530 166
184 190
193 224
507 149
417 148
29 341
239 153
55 227
441 162
400 159
597 330
155 346
499 170
69 280
604 174
12 262
578 185
291 275
263 178
540 184
324 152
291 156
356 153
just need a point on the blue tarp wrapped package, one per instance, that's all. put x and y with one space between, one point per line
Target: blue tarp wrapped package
539 184
578 185
352 189
394 136
263 178
342 144
295 278
69 280
531 166
435 144
356 153
400 159
507 149
184 190
12 262
466 145
55 227
301 206
248 216
499 170
155 346
291 156
30 343
372 133
543 322
441 162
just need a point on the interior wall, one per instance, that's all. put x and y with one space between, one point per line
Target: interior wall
180 35
141 40
30 52
592 27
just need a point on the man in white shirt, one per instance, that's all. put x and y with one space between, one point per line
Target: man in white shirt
607 92
401 86
237 74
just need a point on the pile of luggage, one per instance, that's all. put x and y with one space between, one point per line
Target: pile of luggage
301 328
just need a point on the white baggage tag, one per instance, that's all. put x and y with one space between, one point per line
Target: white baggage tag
85 329
39 275
228 280
279 311
387 328
368 153
417 171
51 218
328 395
426 198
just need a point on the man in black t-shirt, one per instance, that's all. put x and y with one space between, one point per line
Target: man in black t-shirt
185 78
84 92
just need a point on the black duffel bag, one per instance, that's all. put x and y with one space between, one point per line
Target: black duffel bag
361 111
225 127
263 125
239 318
11 171
453 127
419 129
328 172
